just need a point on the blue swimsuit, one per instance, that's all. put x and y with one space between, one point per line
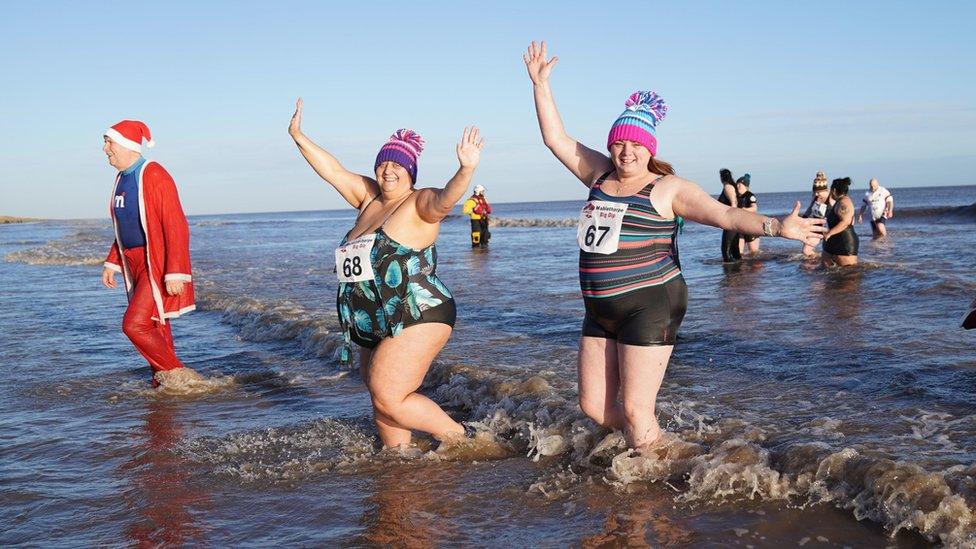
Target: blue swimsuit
404 291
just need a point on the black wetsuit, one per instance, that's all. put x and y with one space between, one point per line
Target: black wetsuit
842 243
730 239
747 199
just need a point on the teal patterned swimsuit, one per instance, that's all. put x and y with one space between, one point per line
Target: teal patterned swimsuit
405 291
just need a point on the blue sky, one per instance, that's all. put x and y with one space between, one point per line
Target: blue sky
883 89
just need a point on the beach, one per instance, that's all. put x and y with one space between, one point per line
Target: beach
805 406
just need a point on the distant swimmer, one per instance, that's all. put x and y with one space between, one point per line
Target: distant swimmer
630 276
151 249
749 202
817 208
840 241
478 208
879 202
730 197
390 301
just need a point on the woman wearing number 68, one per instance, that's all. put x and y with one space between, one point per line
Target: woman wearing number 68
633 291
391 303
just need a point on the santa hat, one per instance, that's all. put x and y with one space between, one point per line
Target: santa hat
129 134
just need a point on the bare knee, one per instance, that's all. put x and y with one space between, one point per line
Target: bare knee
635 412
594 408
385 403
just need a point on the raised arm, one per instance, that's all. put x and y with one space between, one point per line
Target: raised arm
692 202
353 187
585 163
433 205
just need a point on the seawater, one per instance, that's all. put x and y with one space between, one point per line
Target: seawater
805 405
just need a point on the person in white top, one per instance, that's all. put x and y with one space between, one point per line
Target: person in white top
882 207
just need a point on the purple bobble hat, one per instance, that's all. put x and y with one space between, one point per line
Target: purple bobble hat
404 147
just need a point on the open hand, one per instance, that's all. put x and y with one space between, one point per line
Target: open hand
535 62
469 149
108 278
295 127
174 287
807 230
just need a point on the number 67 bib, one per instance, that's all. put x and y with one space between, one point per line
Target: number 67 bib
352 259
599 226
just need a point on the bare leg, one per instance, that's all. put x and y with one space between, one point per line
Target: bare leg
396 370
846 260
599 381
754 247
641 373
880 231
391 433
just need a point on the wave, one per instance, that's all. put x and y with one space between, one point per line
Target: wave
315 334
956 213
705 459
87 246
530 222
196 222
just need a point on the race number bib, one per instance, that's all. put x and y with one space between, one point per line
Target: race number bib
352 259
599 226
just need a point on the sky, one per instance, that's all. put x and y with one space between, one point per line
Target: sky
779 90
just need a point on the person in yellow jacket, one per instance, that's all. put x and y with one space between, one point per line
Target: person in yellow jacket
478 208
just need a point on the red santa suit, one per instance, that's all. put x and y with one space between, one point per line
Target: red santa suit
166 256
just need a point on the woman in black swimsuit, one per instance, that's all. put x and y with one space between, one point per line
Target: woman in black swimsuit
390 302
729 197
840 240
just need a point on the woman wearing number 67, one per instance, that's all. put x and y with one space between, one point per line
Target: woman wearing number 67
391 303
633 290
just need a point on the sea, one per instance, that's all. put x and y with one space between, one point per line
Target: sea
805 406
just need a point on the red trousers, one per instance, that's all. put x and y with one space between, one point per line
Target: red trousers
152 339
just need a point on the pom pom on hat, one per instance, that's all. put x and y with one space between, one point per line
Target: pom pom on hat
411 138
638 123
404 147
129 134
820 181
650 102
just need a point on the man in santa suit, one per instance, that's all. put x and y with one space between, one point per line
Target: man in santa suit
151 250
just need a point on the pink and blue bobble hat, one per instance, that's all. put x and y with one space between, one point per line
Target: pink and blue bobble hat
645 110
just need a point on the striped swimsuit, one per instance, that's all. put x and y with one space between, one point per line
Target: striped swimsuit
636 294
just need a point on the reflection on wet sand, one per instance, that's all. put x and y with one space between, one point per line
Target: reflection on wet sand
400 514
645 521
161 496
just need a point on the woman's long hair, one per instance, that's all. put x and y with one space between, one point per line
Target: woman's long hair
660 167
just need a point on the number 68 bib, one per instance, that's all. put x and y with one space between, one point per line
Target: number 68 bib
352 259
599 226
